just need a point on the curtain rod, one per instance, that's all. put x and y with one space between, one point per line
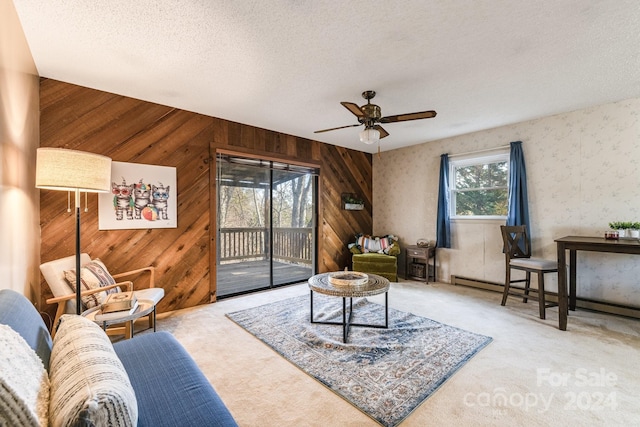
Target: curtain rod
480 151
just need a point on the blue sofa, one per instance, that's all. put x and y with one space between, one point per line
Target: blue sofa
169 387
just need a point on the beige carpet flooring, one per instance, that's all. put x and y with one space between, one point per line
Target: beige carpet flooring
532 374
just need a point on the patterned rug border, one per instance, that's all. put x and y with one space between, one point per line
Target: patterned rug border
393 314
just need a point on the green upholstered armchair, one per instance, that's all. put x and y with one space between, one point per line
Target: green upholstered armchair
376 255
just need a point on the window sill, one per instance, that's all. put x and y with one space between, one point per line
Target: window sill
478 219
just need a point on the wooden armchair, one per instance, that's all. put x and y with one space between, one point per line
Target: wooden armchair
64 296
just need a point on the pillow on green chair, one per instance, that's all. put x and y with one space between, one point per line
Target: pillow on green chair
394 249
354 248
384 245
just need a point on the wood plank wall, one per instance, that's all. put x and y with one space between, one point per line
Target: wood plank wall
130 130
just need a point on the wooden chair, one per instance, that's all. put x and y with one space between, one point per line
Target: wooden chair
517 253
64 297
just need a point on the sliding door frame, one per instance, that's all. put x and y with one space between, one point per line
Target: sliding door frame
213 208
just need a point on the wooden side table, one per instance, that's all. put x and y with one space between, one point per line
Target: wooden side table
416 263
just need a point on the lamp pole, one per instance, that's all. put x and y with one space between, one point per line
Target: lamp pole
78 278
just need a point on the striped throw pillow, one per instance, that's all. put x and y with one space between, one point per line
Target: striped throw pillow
373 244
93 275
89 385
384 244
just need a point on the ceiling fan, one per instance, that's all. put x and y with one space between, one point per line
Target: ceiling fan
370 115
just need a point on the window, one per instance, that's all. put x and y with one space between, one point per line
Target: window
479 186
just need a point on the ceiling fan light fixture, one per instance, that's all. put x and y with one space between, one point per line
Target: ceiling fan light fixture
370 115
370 136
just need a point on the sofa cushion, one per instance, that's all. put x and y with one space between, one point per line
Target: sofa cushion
93 275
150 294
53 273
155 360
89 385
380 264
24 384
20 314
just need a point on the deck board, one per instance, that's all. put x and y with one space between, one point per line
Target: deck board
246 276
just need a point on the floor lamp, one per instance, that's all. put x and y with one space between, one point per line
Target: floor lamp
78 171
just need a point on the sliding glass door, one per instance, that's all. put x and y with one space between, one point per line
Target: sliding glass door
293 226
266 224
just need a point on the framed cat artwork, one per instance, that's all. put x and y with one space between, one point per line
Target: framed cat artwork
142 196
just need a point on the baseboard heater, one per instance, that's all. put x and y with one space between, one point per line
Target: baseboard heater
585 303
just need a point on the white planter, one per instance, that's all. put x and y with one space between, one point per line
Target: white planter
354 206
634 233
622 233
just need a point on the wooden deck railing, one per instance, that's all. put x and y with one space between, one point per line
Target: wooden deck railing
289 244
242 243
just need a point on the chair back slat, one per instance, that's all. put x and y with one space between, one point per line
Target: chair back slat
516 241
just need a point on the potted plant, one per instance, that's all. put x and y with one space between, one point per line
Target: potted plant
634 230
620 227
352 202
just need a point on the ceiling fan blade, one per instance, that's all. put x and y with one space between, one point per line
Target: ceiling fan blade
383 133
409 116
353 108
339 127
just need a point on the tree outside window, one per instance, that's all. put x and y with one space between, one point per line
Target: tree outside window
479 186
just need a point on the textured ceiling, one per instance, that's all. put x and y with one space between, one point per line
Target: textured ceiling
285 65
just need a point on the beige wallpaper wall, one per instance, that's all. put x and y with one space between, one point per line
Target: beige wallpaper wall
19 130
583 172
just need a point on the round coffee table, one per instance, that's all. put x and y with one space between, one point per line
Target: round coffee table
145 307
375 285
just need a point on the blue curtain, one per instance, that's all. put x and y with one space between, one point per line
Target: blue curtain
518 210
443 225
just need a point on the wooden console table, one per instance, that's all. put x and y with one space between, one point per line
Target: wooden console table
422 254
573 244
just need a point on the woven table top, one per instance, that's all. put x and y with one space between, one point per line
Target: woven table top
374 286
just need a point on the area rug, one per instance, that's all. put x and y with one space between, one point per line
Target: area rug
386 373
